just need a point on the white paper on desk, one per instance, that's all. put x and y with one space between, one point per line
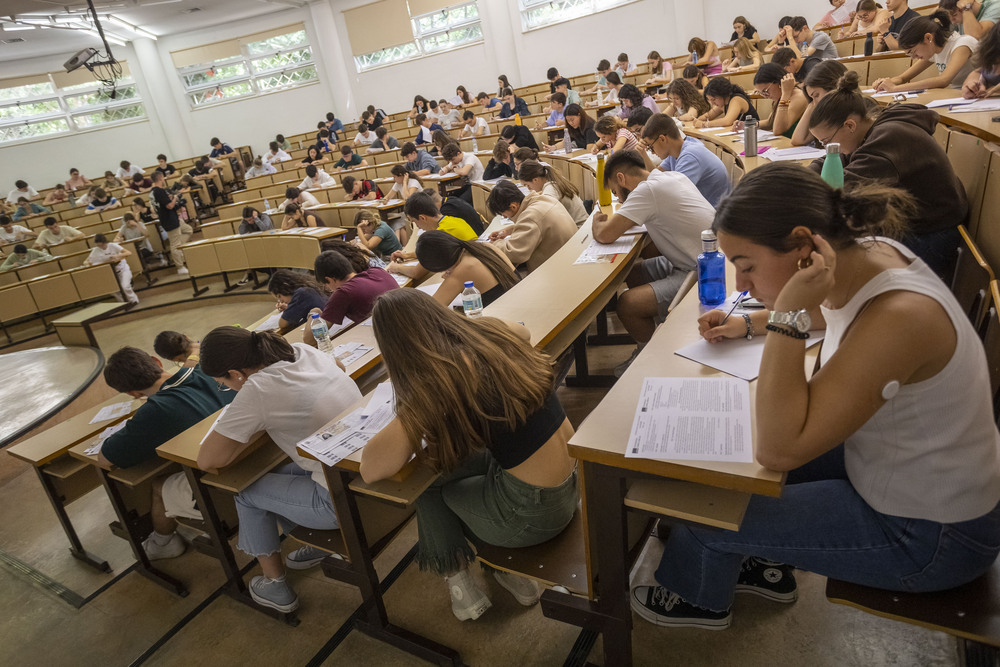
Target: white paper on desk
338 440
401 280
432 289
598 252
270 324
105 434
692 419
113 411
796 153
337 328
979 105
348 353
221 412
762 135
950 102
383 394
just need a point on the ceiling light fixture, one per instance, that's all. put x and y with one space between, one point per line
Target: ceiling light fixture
128 26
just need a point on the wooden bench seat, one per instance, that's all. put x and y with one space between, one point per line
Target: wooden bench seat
561 561
75 328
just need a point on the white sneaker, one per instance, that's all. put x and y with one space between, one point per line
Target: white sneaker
174 547
526 591
468 601
183 271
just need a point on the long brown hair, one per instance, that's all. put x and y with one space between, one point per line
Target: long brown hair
438 251
689 95
532 169
356 255
455 378
229 348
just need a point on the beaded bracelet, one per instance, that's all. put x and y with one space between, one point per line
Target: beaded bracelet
788 332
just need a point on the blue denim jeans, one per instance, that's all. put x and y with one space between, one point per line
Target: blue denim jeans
821 524
482 501
288 495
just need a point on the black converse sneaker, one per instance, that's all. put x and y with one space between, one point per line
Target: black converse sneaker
661 607
767 579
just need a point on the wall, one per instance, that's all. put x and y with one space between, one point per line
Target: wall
173 127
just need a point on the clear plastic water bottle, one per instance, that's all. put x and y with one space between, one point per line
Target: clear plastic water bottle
475 144
711 271
267 206
694 57
472 301
600 97
567 142
321 333
833 167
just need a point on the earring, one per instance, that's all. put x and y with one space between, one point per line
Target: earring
805 263
239 378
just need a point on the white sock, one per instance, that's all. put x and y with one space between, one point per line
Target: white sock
161 539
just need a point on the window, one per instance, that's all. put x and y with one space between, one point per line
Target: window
44 108
434 32
274 63
542 13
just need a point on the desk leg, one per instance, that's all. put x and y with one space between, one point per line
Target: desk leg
603 337
583 378
130 524
194 286
376 622
235 587
609 614
75 546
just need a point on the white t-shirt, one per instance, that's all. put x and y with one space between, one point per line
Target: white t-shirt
450 119
291 400
308 201
98 256
15 233
15 194
264 170
280 156
573 205
675 214
479 122
322 180
363 140
126 174
469 158
941 59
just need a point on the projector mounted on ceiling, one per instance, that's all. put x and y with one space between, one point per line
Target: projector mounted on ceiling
80 59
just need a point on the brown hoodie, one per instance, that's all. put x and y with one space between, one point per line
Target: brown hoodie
900 150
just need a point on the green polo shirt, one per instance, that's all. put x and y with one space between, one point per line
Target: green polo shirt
182 401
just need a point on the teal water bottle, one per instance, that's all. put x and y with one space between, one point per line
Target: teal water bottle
833 167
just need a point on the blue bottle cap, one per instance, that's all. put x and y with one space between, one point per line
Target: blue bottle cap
468 283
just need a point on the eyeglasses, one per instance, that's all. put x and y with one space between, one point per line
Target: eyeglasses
825 142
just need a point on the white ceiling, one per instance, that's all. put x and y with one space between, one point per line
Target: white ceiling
160 17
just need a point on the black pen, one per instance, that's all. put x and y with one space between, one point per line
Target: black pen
737 303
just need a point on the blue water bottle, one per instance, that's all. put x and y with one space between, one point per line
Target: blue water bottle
711 271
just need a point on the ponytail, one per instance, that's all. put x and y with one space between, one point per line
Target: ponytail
839 216
229 348
937 24
532 169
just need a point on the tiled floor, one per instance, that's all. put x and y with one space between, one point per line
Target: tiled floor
134 618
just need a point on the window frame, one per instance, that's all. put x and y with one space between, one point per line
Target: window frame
251 77
67 114
420 35
593 7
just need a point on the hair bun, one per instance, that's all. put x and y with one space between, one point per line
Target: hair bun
848 83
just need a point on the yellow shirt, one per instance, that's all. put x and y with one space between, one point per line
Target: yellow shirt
457 227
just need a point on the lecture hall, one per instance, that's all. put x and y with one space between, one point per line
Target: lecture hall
472 332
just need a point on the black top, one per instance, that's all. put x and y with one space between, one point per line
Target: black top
587 137
896 24
168 170
492 294
497 169
748 32
512 448
807 64
750 107
168 216
459 208
524 137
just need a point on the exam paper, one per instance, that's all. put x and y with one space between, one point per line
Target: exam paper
431 289
270 324
95 449
692 419
604 252
796 153
113 411
979 105
348 353
950 102
842 15
340 439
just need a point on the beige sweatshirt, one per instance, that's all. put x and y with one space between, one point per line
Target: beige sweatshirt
542 225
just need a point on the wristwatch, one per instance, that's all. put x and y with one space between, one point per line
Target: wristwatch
796 320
